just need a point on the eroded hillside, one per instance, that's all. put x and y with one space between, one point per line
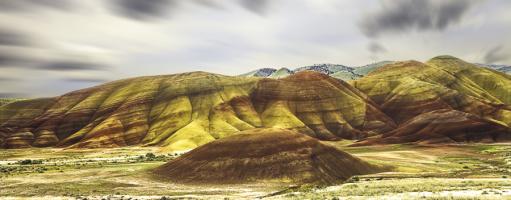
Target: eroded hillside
442 100
445 99
184 111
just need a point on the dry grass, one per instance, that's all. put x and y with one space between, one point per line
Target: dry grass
425 172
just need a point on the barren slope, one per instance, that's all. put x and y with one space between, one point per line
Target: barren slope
184 111
265 154
416 95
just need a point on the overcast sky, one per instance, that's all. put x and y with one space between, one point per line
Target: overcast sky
49 47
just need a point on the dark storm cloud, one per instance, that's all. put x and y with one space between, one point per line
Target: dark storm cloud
406 15
71 66
257 6
496 55
143 9
27 5
375 48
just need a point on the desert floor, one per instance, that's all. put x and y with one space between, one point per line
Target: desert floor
468 171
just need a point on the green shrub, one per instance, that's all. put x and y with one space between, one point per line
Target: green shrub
150 155
30 162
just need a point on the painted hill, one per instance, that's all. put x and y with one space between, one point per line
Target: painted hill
184 111
268 155
187 110
468 98
444 126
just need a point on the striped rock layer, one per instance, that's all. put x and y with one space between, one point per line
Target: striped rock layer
184 111
401 101
442 100
265 155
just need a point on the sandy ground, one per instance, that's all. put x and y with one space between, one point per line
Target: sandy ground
459 171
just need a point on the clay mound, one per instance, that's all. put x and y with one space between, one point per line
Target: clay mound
318 105
265 154
444 126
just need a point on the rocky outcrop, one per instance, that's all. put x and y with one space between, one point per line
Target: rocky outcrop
265 155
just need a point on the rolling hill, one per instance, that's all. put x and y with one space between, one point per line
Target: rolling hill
265 155
184 111
397 102
444 99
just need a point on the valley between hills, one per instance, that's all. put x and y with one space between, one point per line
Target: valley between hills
434 130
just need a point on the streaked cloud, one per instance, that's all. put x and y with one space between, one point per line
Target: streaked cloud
48 47
257 6
407 15
86 80
71 66
143 10
376 48
496 54
13 38
28 5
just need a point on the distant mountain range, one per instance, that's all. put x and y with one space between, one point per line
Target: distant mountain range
501 68
334 70
343 72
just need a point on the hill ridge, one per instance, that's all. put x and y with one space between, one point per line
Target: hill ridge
184 111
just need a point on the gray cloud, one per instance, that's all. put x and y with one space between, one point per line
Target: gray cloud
21 61
496 55
143 9
407 15
376 48
7 59
257 6
12 38
71 66
154 9
86 80
6 79
27 5
208 3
